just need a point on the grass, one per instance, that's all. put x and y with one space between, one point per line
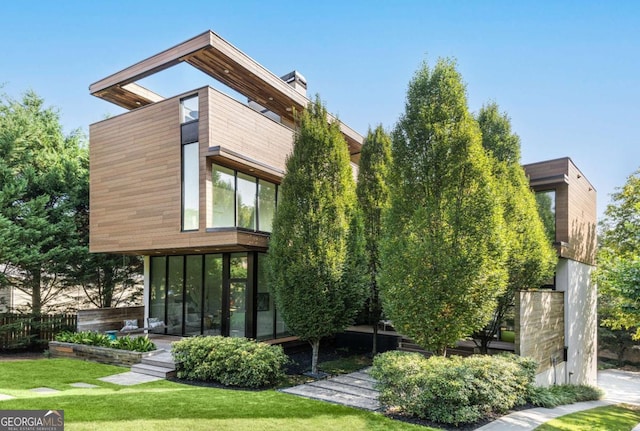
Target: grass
621 417
170 405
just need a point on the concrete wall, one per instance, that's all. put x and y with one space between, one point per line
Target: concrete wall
539 326
581 331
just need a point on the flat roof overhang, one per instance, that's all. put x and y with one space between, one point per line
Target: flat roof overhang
216 57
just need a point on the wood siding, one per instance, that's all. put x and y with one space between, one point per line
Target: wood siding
575 206
136 174
539 327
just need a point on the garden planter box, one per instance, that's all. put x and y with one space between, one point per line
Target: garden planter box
104 355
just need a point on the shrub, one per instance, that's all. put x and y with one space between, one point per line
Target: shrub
229 361
452 390
554 396
137 344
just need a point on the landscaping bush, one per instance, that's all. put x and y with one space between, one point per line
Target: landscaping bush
554 396
135 344
229 361
452 390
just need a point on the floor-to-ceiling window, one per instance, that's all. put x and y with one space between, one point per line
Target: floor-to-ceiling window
214 294
241 200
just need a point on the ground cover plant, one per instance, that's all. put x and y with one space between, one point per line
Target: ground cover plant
169 405
622 417
135 344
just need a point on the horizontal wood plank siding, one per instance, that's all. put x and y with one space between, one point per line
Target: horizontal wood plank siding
238 128
575 206
136 174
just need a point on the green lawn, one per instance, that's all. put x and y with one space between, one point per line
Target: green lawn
622 417
172 406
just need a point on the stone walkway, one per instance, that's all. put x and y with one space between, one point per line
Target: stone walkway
357 390
354 390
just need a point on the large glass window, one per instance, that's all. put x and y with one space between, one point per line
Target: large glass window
158 283
246 201
237 294
174 295
190 187
189 109
213 294
193 295
224 187
546 202
265 308
241 200
266 204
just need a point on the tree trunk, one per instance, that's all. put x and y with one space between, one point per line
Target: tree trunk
315 348
36 291
374 349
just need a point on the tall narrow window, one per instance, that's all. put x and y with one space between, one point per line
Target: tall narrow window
224 190
189 109
190 187
266 205
246 201
546 202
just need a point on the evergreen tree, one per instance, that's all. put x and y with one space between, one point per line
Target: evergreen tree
315 251
373 199
530 257
442 252
41 174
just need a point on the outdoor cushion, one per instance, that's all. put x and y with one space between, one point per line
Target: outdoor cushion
130 325
154 322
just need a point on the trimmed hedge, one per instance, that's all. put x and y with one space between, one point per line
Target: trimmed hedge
229 361
452 390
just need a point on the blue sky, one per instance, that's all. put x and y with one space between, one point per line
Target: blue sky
567 73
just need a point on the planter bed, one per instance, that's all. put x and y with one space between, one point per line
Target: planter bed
104 355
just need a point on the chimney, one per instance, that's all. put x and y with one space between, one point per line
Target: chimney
297 81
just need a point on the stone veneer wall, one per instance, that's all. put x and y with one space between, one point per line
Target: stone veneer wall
539 326
103 355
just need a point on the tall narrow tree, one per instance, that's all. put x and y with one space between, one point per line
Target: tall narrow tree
442 251
530 257
373 198
315 251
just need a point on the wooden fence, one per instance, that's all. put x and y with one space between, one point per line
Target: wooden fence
26 330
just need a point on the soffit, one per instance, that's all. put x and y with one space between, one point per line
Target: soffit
216 57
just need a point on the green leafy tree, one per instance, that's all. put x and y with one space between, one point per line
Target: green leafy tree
373 199
316 247
530 256
41 177
618 273
442 252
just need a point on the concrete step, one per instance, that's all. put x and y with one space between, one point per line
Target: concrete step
160 360
333 396
152 370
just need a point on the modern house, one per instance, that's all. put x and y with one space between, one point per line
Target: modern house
190 182
558 326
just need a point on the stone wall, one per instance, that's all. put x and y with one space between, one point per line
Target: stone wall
107 319
103 355
539 326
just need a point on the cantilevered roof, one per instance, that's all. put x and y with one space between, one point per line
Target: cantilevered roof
219 59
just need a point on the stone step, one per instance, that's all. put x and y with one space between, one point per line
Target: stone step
346 389
152 370
160 360
333 396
